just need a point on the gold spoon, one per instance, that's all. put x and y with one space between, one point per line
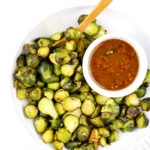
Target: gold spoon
97 10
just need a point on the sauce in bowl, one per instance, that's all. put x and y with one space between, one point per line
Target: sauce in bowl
114 64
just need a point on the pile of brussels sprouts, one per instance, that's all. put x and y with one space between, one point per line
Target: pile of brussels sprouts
66 111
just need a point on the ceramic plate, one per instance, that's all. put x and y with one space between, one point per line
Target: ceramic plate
113 22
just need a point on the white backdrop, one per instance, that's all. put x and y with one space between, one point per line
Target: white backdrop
17 18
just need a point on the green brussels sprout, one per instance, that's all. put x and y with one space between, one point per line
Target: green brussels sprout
118 100
85 146
31 111
67 70
55 124
72 145
83 133
54 86
34 93
74 62
93 92
78 77
45 70
102 141
145 104
111 106
44 42
27 76
32 102
89 96
72 33
43 51
71 45
71 122
43 115
40 124
58 145
74 54
83 17
92 29
84 88
62 56
60 109
76 86
114 136
48 93
94 137
97 122
142 121
57 70
57 36
71 103
103 132
132 100
132 112
63 135
32 60
66 83
21 61
100 33
141 91
108 117
117 124
60 95
48 136
147 77
83 45
83 120
96 112
100 99
52 58
46 106
18 84
76 112
123 111
128 126
40 83
87 107
21 93
31 48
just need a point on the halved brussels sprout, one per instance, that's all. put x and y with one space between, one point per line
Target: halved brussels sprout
60 95
84 88
132 112
142 121
48 93
67 70
100 33
96 112
43 51
100 99
63 135
32 60
94 137
117 124
18 84
48 136
83 133
57 70
102 141
72 33
104 132
55 124
97 122
31 111
92 29
132 100
114 136
21 61
72 145
40 124
147 77
118 100
141 91
89 96
54 86
83 120
71 103
46 106
128 126
57 36
21 93
87 107
78 77
40 83
145 104
31 48
83 45
71 45
83 17
59 108
58 145
53 58
44 42
71 122
76 86
108 117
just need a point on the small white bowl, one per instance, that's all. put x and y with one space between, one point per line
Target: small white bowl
137 81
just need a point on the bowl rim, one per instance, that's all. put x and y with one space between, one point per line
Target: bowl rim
140 75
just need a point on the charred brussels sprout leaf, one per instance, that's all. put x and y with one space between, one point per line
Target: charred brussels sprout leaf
145 104
132 112
72 33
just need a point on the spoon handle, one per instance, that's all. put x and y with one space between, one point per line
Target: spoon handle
96 11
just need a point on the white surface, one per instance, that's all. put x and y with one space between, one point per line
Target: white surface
138 48
17 18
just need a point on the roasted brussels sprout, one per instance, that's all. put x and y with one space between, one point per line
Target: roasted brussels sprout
57 70
40 124
27 76
72 145
60 95
31 111
57 36
48 93
21 93
31 48
145 104
132 100
21 61
60 109
18 84
32 102
85 146
83 17
34 93
114 136
104 132
96 112
108 117
55 124
58 145
92 29
102 141
46 106
71 33
44 42
43 51
84 88
128 126
63 135
147 77
118 100
67 70
82 45
97 122
71 103
83 120
53 58
141 91
132 112
142 121
48 136
32 60
100 33
71 122
100 99
87 107
117 124
40 83
94 137
71 45
83 133
78 77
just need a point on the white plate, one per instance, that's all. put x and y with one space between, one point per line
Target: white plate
114 22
